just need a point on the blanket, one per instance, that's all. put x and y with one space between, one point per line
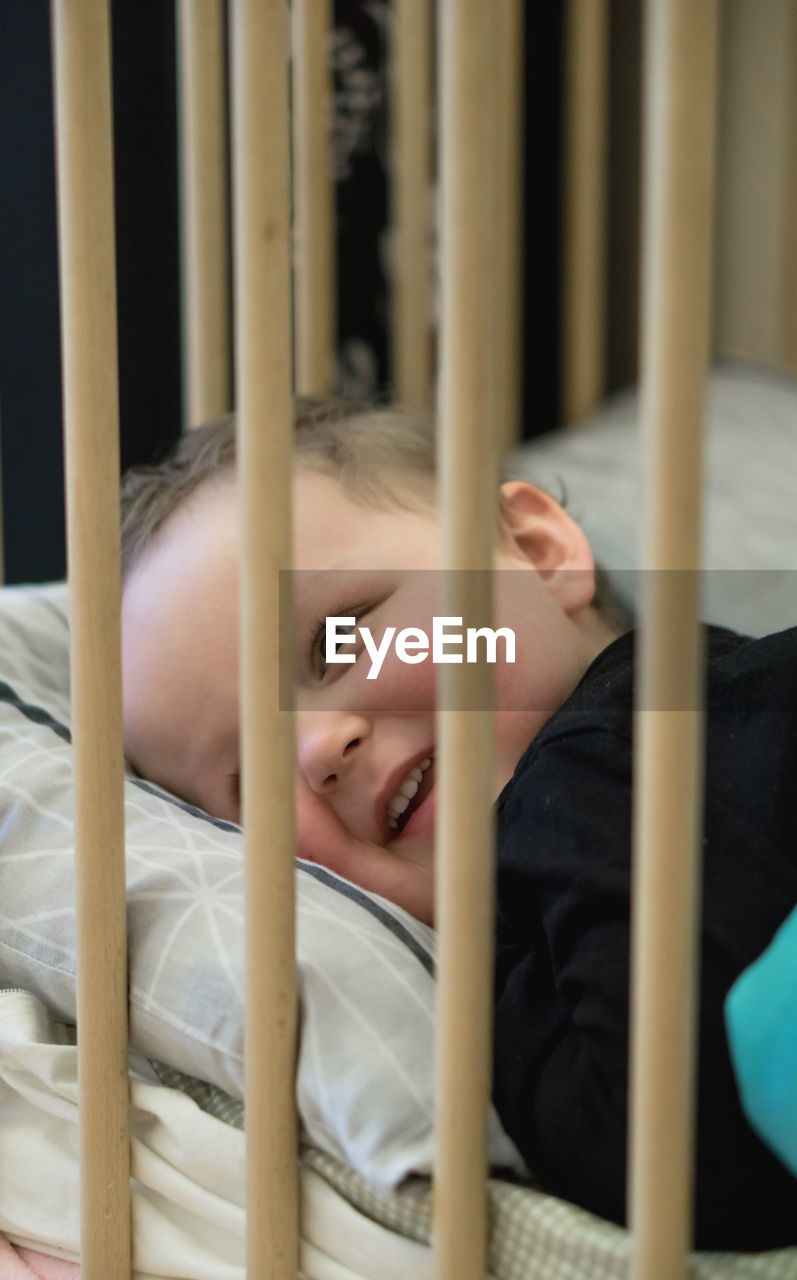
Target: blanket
29 1264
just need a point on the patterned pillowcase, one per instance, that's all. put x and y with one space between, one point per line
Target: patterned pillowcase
366 968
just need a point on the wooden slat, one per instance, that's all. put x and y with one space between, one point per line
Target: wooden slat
755 196
509 26
467 399
261 153
679 144
89 358
313 210
411 293
205 219
584 206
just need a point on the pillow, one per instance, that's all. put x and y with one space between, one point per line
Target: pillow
366 968
749 510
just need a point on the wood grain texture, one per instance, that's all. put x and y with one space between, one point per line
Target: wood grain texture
91 423
468 448
584 251
314 221
411 187
205 237
262 241
679 144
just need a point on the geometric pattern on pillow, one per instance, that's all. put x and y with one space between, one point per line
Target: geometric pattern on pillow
366 968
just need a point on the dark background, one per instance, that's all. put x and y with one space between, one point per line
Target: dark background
145 139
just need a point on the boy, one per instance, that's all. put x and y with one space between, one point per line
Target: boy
365 527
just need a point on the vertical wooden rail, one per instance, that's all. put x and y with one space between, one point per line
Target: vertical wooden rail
411 181
261 200
584 205
509 25
205 221
313 206
91 418
679 147
465 888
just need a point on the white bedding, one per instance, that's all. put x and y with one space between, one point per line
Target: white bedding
187 1168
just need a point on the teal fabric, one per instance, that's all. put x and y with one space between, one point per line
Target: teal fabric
761 1017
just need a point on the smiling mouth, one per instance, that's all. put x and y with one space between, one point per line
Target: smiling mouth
397 820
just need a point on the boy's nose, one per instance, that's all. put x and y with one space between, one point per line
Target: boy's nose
328 745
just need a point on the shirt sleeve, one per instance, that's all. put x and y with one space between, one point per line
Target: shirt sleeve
562 993
561 1016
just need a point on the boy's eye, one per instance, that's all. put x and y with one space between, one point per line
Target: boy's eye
316 644
321 643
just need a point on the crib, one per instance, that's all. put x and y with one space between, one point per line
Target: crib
283 267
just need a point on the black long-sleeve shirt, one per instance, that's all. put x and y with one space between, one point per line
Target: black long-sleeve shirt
562 964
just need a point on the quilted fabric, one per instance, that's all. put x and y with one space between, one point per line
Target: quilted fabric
534 1234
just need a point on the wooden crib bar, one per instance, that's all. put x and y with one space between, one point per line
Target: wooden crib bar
411 215
262 242
468 465
204 210
508 238
585 129
91 417
681 48
314 222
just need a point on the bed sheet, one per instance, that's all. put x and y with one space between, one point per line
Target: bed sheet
187 1173
188 1190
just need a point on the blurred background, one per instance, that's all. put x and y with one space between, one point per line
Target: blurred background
756 241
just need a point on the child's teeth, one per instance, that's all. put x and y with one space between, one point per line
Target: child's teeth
406 791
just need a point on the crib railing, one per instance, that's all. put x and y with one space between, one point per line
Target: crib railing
681 49
91 421
207 360
479 316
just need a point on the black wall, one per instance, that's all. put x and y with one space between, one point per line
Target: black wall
147 252
146 184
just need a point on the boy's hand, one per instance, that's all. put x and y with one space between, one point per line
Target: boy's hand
321 837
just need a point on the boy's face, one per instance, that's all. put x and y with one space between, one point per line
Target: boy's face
356 755
359 740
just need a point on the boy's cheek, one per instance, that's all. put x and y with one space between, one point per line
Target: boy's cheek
320 835
399 685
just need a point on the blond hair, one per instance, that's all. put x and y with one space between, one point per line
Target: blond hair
371 452
379 455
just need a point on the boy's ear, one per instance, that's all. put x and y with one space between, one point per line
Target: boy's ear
538 530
